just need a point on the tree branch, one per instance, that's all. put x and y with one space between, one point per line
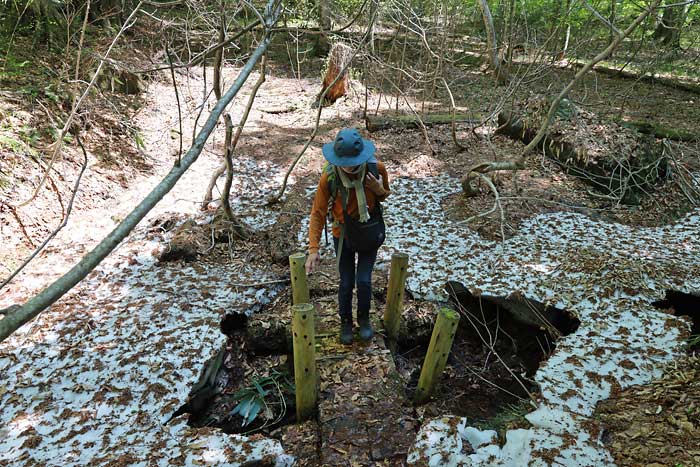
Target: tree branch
18 316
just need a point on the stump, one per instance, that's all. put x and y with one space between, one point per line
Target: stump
116 79
338 60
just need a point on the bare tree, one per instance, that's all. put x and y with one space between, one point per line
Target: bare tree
499 70
480 169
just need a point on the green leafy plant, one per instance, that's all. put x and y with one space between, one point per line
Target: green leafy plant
260 395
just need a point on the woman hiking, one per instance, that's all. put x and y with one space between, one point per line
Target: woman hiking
353 183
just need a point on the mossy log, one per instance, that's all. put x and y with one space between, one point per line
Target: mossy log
622 176
655 79
379 123
661 131
115 79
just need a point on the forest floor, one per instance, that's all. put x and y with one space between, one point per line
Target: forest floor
124 348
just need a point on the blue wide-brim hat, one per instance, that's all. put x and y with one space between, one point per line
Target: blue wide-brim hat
349 149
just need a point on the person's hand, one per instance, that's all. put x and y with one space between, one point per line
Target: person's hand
313 261
374 184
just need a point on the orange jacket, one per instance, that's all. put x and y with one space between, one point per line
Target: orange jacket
320 207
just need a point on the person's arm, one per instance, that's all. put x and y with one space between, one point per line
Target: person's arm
379 188
317 222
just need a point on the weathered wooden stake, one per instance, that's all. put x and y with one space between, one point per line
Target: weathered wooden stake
300 288
394 298
438 350
304 359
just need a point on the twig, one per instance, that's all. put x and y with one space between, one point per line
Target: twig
177 98
260 284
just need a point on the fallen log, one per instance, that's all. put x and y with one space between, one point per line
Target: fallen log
379 123
624 176
647 77
660 131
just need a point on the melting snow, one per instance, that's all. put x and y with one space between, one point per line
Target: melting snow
93 379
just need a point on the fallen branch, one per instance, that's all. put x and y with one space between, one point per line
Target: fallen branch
44 299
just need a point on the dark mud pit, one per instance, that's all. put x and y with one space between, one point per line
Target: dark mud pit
686 305
498 348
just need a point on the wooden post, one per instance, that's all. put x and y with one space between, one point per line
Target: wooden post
300 288
304 359
438 350
394 297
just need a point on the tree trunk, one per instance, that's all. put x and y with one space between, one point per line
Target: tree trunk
668 31
561 53
323 46
338 60
492 44
373 6
613 13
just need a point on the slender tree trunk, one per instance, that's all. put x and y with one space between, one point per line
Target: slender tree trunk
323 46
613 13
508 33
492 44
373 6
561 54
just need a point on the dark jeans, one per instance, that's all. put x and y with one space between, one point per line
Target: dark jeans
349 277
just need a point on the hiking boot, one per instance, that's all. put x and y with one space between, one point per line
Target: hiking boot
346 331
366 332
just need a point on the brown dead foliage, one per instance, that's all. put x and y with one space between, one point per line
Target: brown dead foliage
658 422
